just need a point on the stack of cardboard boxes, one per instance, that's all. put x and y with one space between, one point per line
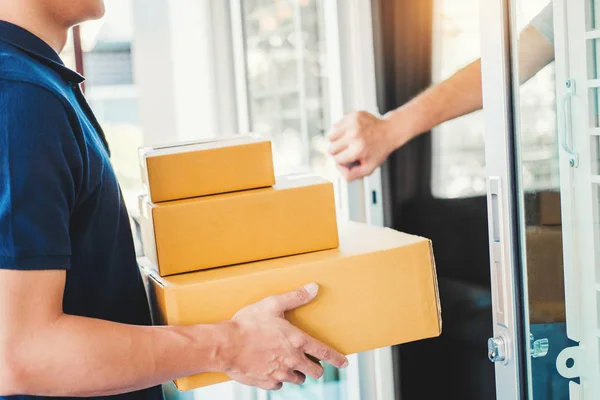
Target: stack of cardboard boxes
220 232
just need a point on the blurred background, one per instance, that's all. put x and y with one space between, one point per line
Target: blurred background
283 51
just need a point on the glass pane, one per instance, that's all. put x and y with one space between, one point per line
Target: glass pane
287 81
594 112
596 220
593 15
595 146
458 168
593 56
538 182
594 50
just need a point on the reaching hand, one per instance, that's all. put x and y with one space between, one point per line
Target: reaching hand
360 142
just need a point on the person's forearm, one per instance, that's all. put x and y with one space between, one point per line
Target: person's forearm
461 94
454 97
535 52
78 356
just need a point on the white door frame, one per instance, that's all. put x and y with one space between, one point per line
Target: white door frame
580 183
502 207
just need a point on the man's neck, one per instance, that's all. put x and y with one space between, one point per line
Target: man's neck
34 18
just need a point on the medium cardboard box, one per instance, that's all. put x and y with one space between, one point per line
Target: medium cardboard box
203 168
545 274
378 289
297 215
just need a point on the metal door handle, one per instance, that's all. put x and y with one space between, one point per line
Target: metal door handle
567 134
498 267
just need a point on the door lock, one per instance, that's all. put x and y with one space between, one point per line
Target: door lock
497 349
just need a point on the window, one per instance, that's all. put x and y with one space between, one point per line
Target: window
537 114
287 81
458 147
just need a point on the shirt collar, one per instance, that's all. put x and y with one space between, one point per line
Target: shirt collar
38 49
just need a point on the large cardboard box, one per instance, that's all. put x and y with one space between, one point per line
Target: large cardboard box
203 168
545 274
297 215
378 289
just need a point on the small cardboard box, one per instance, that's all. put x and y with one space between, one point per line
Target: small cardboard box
378 289
188 170
295 216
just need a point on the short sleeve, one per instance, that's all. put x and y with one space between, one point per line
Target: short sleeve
544 23
38 157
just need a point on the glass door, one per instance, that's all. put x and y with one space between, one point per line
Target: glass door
538 123
540 101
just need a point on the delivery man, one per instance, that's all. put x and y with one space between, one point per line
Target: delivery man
73 312
360 142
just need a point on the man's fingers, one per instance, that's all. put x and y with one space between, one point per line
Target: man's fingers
272 386
312 358
301 378
353 164
337 146
325 353
296 378
336 133
347 156
344 171
297 298
343 122
357 172
352 172
310 368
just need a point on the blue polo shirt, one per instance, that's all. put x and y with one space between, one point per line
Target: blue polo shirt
61 207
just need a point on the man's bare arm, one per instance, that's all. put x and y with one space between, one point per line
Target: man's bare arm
369 140
46 352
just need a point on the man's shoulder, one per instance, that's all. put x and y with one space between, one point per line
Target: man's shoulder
28 109
35 118
22 94
19 68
